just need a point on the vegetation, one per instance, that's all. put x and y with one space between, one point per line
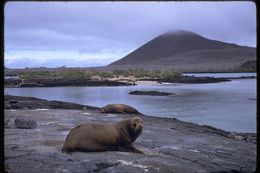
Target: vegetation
76 73
65 73
248 66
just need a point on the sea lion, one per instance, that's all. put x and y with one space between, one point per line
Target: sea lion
119 108
92 137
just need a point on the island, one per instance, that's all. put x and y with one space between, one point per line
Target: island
56 77
150 93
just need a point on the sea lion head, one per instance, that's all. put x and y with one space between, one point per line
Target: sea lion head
107 109
137 125
130 128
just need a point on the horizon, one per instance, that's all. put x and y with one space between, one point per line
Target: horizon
35 39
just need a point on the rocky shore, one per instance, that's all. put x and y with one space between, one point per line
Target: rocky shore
56 82
169 145
190 79
61 82
19 102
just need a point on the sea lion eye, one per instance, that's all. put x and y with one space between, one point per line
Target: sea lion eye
134 125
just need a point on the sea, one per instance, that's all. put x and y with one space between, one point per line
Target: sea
229 105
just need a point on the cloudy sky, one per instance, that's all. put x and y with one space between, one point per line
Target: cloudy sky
83 34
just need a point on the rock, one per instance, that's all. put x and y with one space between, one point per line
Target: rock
151 93
52 82
170 145
188 79
8 107
251 139
25 123
7 168
13 101
35 103
239 137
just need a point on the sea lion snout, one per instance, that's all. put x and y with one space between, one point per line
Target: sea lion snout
139 128
138 124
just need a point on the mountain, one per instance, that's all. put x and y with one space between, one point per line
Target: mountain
186 51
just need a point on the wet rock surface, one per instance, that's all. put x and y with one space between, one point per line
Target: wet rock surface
19 102
169 145
25 123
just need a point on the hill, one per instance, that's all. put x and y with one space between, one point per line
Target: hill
186 51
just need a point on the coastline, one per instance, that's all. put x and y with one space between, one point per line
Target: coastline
126 81
118 80
190 147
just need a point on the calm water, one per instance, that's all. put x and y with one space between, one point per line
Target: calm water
227 105
220 74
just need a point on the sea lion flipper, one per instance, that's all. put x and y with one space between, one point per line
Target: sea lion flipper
135 150
129 148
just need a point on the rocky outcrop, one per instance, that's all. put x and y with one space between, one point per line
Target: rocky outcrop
150 93
61 82
170 145
19 102
25 123
189 79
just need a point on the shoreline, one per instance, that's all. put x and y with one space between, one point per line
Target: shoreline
27 103
126 81
170 145
18 83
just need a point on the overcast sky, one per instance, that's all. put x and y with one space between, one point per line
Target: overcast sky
83 34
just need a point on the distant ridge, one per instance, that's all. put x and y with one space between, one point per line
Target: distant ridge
187 51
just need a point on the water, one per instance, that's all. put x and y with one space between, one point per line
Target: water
217 75
228 105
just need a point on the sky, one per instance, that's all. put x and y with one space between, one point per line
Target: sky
87 34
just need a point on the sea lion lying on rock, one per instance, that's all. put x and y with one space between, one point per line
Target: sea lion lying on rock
119 108
105 137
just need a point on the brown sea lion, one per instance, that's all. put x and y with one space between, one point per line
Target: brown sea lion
119 108
105 137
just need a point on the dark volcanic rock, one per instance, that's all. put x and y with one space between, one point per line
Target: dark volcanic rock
35 103
13 101
25 123
42 82
189 79
151 93
170 145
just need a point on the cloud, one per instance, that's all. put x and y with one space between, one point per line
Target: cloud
95 27
18 59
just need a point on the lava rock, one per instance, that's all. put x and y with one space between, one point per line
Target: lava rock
13 101
25 123
151 93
